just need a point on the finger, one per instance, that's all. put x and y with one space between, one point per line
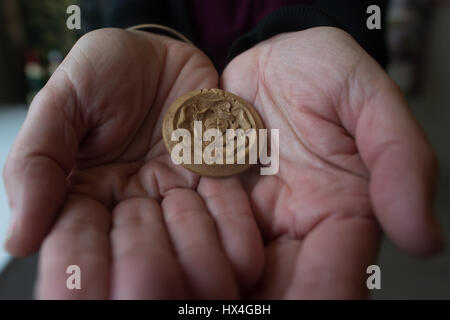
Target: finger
195 240
80 238
280 260
333 259
403 171
228 204
330 263
36 169
144 263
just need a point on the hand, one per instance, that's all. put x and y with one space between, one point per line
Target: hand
89 164
351 155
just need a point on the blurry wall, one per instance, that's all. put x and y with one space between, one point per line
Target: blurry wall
12 45
33 36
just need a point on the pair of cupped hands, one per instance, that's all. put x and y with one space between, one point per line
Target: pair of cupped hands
91 184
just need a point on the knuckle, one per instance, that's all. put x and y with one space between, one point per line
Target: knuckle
135 212
177 211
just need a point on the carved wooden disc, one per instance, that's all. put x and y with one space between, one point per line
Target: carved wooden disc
215 109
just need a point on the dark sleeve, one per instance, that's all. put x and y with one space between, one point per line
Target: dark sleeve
128 13
349 15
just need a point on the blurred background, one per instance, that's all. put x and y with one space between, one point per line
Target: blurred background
34 39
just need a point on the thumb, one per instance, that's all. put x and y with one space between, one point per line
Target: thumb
38 164
403 171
